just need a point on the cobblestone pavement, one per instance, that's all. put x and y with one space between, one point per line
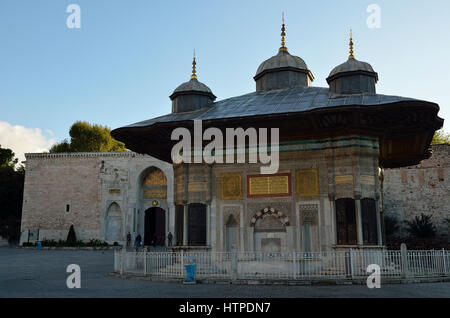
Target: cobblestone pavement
42 273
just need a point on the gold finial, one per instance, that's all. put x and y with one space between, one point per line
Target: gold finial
283 34
351 46
193 68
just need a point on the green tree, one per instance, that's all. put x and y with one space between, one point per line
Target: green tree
391 225
71 236
440 137
7 158
11 195
421 227
85 137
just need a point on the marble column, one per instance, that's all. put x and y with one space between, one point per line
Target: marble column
359 232
379 232
208 224
185 224
171 208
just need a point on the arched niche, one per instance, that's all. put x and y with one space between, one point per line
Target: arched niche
113 222
270 230
231 233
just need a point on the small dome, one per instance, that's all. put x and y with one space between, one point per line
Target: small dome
283 60
352 65
192 95
192 86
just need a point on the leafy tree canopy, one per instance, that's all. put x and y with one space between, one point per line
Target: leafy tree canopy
11 195
85 137
440 137
7 158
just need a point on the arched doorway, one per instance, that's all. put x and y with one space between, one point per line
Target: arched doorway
113 226
155 226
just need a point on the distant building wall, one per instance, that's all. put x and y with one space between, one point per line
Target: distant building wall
86 190
424 188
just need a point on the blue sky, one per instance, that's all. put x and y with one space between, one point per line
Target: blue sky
128 56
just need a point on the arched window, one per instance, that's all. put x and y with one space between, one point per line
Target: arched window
369 221
346 222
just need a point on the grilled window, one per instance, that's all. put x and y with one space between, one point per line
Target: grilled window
346 221
369 221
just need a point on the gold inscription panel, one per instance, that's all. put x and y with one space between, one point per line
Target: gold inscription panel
196 186
343 179
269 186
155 192
307 182
114 191
367 179
231 186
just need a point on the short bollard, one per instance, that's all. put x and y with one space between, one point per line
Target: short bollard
39 245
190 274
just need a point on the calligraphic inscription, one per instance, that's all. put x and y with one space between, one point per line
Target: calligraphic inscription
307 182
155 177
366 179
114 191
343 179
155 192
196 186
231 186
269 185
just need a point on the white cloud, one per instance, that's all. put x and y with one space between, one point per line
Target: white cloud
23 140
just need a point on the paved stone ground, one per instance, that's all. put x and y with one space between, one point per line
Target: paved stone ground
33 273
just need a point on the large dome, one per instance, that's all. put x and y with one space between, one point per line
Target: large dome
282 61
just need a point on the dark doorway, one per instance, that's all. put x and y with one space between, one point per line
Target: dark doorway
155 226
179 223
197 224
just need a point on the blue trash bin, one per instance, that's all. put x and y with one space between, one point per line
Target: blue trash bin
39 245
190 273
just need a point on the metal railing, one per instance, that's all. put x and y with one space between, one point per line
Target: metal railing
234 265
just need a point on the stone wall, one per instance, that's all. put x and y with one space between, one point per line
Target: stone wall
53 186
80 189
424 188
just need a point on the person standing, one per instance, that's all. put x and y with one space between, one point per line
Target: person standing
169 238
138 240
128 239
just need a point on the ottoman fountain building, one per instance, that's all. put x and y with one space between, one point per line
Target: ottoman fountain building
333 141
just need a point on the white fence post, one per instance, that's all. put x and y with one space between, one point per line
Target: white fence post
444 262
145 263
404 256
234 265
122 256
351 263
294 267
182 263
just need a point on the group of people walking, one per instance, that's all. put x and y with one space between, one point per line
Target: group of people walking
138 240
